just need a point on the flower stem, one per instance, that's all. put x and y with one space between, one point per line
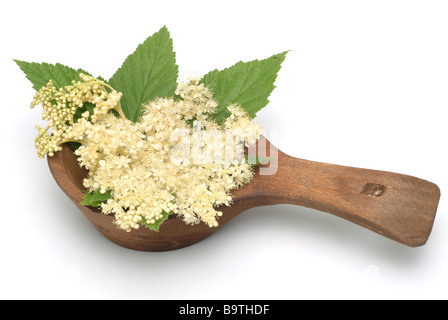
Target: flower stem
120 112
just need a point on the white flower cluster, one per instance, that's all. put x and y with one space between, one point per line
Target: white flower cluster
60 106
133 160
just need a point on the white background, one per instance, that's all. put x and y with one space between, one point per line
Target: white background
365 85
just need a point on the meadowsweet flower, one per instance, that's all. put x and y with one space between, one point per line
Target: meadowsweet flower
134 160
240 125
61 105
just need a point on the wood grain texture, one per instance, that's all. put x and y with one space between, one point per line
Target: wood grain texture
397 206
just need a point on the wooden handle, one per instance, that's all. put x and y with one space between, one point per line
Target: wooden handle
397 206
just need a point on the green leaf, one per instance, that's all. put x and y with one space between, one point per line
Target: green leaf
150 72
248 84
256 160
155 226
101 197
86 199
95 199
40 73
75 145
87 106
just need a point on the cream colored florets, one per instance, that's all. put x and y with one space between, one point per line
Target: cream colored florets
135 160
240 125
60 106
175 160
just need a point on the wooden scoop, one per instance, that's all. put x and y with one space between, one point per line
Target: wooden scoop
397 206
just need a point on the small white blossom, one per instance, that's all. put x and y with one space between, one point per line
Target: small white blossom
133 160
60 107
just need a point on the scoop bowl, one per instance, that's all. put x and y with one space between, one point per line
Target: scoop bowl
399 207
